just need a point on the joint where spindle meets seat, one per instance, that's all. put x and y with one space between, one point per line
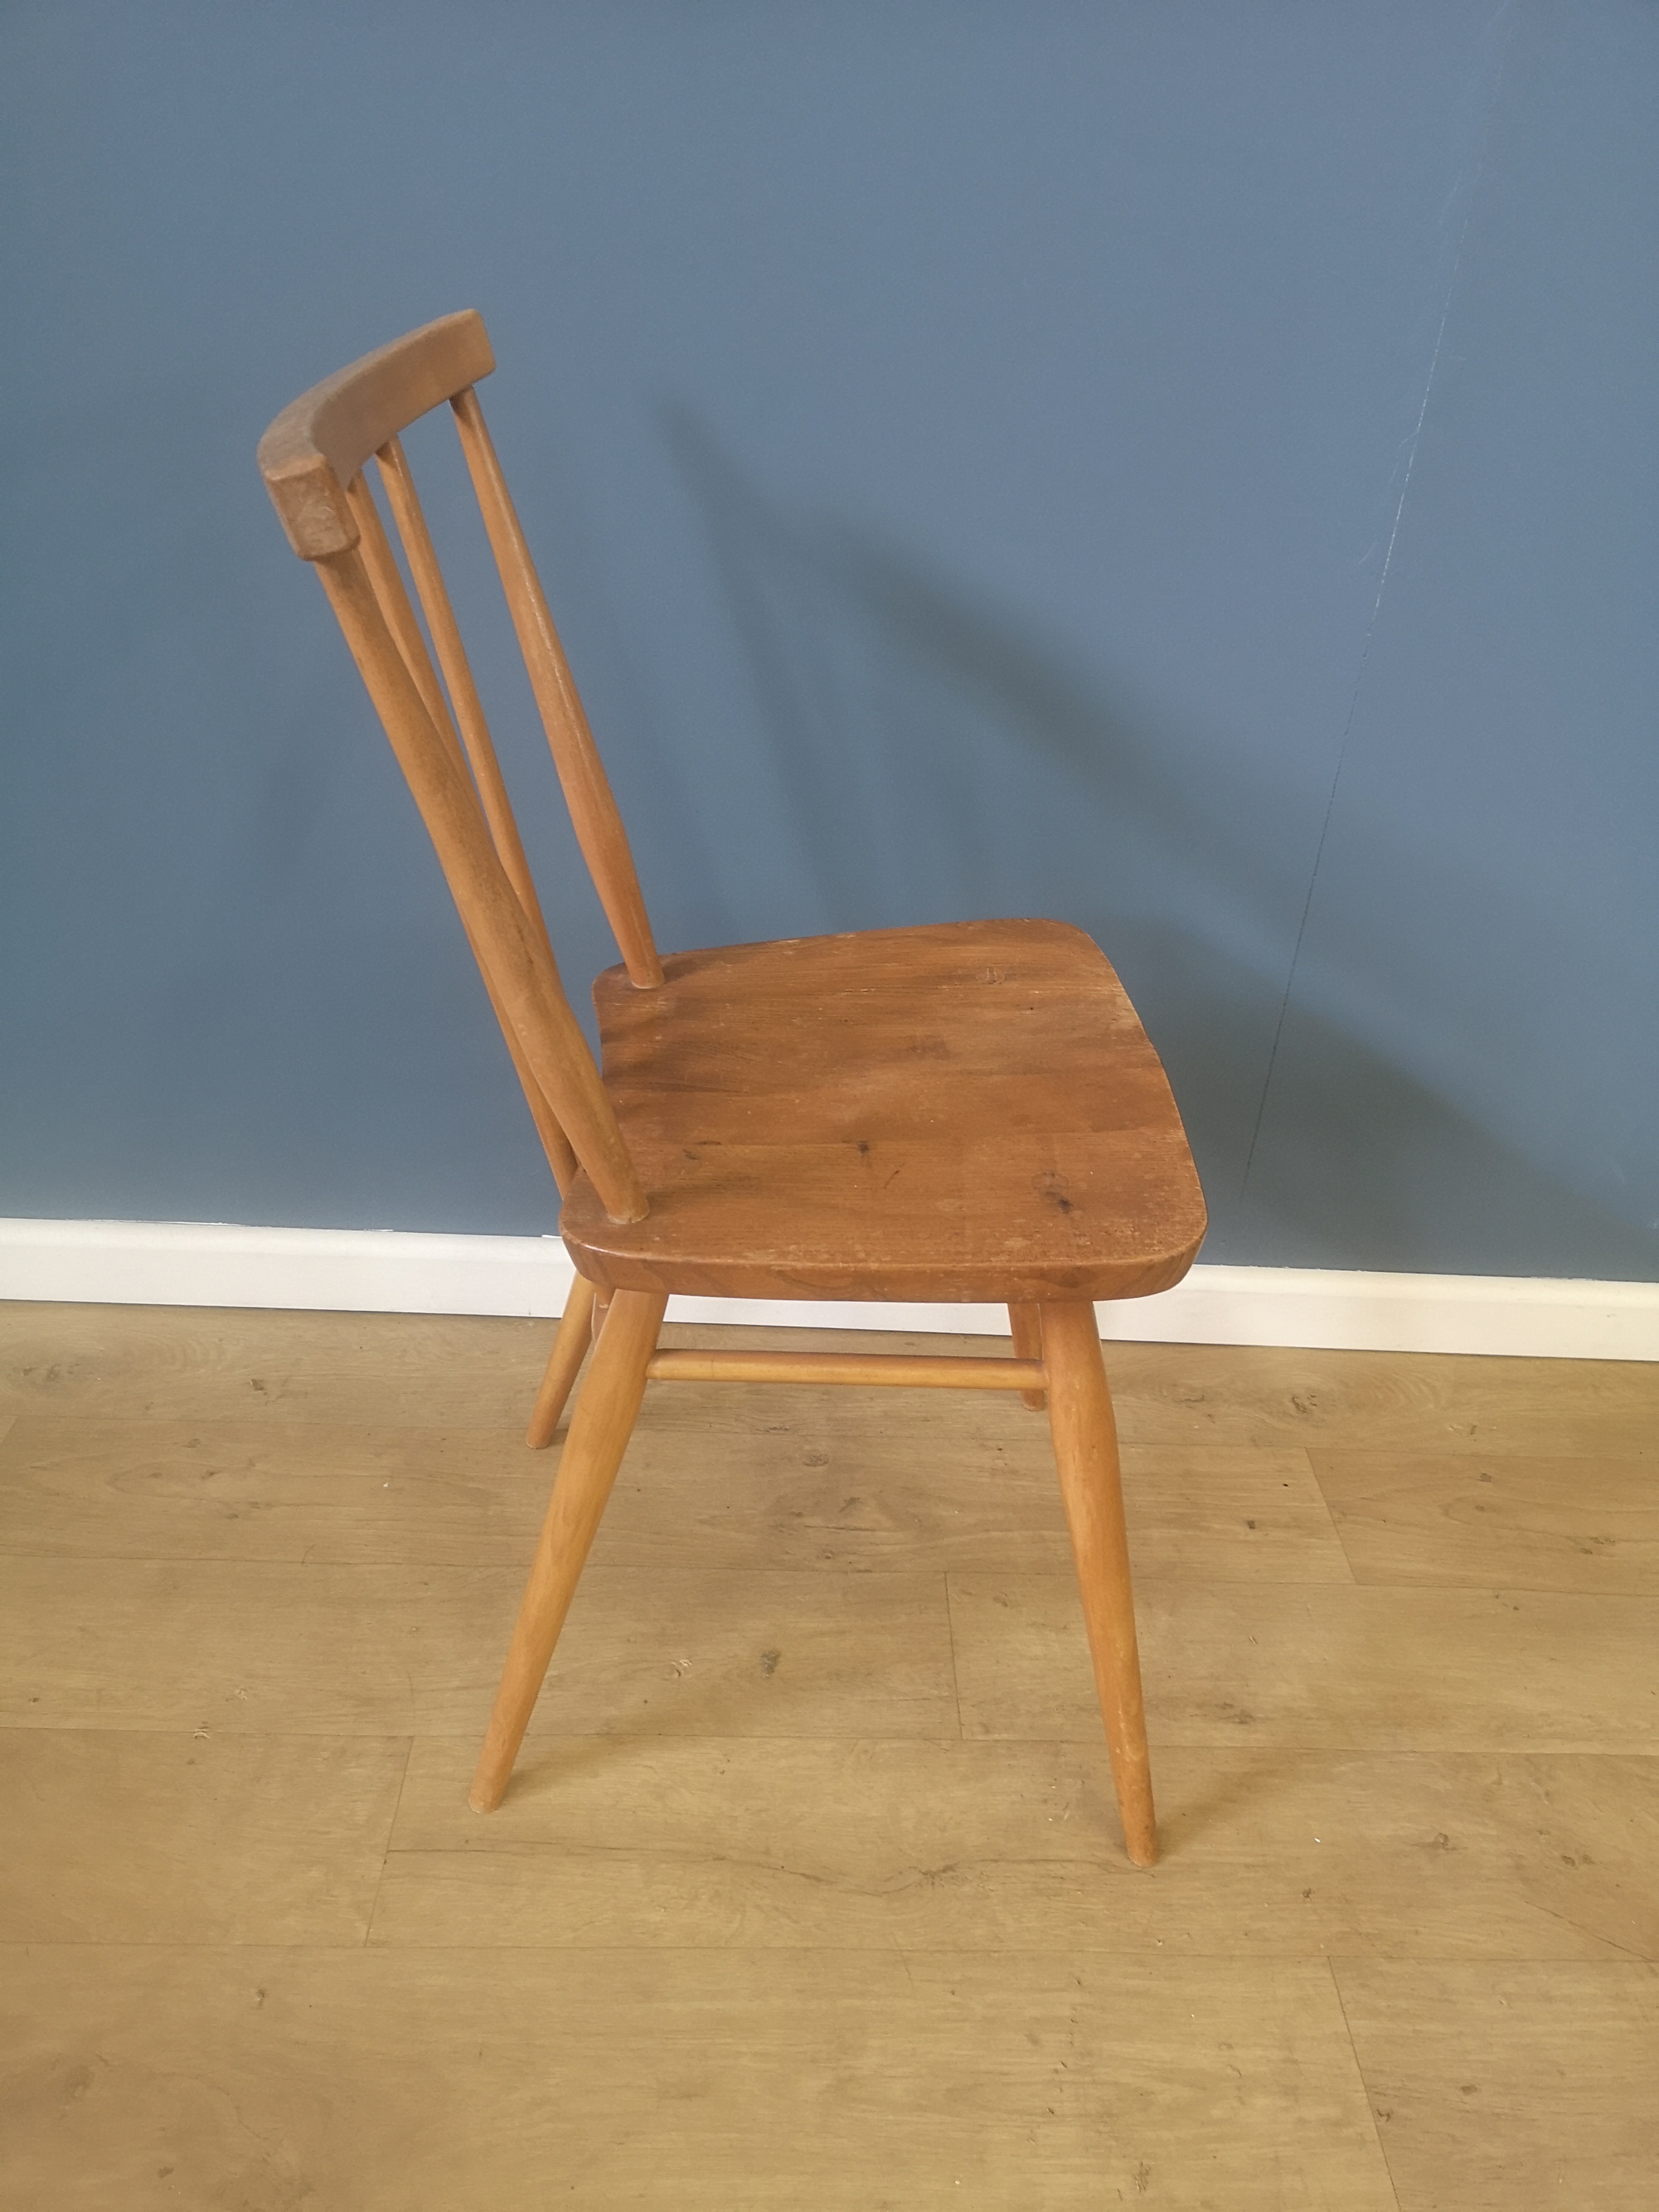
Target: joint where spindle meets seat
962 1112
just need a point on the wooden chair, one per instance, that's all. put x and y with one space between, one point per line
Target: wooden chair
964 1112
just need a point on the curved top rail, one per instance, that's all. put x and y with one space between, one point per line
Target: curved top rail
315 447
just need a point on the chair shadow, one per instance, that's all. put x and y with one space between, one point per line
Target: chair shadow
940 756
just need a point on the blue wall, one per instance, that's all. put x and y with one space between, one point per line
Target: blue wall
1188 470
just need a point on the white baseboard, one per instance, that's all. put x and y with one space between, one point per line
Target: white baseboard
392 1271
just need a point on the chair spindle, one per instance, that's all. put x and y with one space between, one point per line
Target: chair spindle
385 575
513 960
588 792
387 584
445 635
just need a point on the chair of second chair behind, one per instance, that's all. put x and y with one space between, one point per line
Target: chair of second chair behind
964 1113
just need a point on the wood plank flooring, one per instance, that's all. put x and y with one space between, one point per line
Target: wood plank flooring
809 1890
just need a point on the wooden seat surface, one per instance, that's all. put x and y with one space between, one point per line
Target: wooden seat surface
970 1111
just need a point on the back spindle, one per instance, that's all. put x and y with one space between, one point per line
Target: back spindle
581 773
512 956
445 633
388 585
382 563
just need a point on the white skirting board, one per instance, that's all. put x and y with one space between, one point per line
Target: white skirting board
394 1270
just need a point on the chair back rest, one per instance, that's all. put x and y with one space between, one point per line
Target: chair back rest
312 458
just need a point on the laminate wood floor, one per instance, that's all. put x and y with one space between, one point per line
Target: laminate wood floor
808 1890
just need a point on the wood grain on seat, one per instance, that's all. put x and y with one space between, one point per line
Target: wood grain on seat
968 1111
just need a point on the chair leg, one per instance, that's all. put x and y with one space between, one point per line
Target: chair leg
1026 1323
1085 1447
571 1344
599 1430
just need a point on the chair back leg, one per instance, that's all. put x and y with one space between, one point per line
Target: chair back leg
571 1344
1085 1447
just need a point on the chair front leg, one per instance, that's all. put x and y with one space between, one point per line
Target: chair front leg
1085 1447
571 1344
599 1430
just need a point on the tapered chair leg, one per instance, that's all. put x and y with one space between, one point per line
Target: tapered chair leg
571 1344
1026 1323
599 1430
1085 1446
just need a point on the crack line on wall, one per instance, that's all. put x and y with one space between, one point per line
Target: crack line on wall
1377 604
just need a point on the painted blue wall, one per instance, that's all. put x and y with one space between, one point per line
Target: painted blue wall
1187 469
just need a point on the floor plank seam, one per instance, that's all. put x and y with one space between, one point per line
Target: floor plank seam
955 1677
385 1855
1330 1513
1364 2085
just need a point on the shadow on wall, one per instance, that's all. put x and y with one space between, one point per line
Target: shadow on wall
927 747
1361 1158
936 760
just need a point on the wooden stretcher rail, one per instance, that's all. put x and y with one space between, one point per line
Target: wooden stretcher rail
885 1370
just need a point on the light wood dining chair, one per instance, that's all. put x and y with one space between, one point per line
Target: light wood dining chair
965 1112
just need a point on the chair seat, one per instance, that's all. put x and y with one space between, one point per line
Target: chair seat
970 1111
